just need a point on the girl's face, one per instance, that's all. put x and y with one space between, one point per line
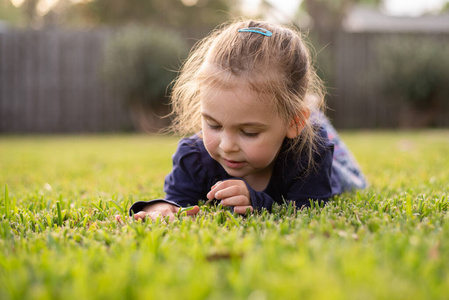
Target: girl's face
242 133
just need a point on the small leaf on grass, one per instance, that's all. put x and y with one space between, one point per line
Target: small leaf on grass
223 256
183 210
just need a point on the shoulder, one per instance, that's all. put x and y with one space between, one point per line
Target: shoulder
192 155
193 141
323 144
296 165
299 180
322 152
189 150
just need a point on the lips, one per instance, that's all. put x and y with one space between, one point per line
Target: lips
233 164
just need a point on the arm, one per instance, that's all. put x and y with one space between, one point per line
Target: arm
161 209
183 186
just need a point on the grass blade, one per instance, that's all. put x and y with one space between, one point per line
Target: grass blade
58 206
7 203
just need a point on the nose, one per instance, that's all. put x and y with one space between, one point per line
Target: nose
228 142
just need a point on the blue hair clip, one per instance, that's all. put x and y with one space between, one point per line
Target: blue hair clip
259 30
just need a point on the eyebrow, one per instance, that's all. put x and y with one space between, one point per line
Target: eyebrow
248 124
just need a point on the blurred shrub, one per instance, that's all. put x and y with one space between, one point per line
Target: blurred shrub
415 70
141 62
323 55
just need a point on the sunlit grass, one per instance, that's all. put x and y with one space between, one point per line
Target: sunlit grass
59 238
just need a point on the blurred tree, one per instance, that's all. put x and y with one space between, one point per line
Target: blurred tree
9 13
414 70
328 15
445 8
180 14
138 64
29 8
39 13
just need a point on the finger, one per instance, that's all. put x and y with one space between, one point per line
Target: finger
239 200
219 186
187 211
213 189
232 191
217 183
118 219
243 210
211 194
193 211
163 216
154 215
141 215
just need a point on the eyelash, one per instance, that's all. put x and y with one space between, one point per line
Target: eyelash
247 134
214 127
250 134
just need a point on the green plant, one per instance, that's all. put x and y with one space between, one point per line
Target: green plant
141 62
59 238
415 70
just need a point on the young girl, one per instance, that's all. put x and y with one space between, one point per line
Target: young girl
252 97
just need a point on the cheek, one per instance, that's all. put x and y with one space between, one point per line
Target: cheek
263 153
258 153
209 139
265 156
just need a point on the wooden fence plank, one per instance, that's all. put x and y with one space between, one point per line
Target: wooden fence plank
50 82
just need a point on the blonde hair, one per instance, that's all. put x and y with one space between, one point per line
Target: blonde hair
277 67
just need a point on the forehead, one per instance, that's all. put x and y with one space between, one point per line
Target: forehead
235 87
261 81
239 104
239 94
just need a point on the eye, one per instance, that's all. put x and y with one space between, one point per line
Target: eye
213 126
250 134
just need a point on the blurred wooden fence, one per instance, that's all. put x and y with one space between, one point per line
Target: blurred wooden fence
50 81
356 101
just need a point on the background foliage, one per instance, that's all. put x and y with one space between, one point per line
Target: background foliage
202 15
141 62
415 70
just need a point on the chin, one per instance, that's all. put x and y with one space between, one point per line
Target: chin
234 173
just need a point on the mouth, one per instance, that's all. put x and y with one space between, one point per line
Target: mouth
232 164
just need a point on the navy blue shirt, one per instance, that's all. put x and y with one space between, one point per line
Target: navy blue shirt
195 172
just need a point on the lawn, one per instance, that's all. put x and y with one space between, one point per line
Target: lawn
59 238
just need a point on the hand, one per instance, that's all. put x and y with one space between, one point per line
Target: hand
232 193
162 210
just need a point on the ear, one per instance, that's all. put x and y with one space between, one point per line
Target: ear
298 123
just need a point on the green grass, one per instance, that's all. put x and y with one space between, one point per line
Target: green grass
59 238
